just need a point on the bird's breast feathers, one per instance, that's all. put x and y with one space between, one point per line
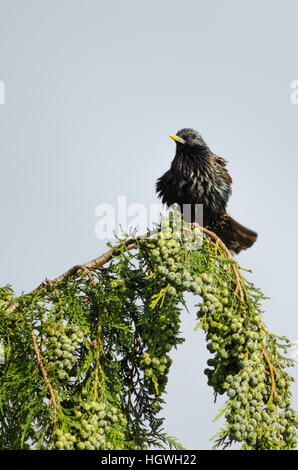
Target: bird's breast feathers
192 186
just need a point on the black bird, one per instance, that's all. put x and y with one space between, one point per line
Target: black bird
198 176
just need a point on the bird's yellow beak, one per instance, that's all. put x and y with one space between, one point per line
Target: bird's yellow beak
177 139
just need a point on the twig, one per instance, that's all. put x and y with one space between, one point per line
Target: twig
44 374
272 371
229 256
98 363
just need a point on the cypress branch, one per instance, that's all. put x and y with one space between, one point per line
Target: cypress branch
87 355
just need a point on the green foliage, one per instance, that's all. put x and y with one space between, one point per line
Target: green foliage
87 358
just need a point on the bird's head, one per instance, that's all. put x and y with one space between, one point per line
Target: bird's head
189 140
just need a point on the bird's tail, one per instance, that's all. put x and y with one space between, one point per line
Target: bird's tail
235 236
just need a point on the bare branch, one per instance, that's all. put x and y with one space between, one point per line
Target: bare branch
130 244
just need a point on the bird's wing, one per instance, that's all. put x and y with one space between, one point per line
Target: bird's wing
165 188
221 164
219 160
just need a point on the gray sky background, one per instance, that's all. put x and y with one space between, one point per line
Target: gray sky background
93 88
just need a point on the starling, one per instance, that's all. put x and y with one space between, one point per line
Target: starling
198 176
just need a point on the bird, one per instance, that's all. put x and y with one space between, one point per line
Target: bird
198 176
